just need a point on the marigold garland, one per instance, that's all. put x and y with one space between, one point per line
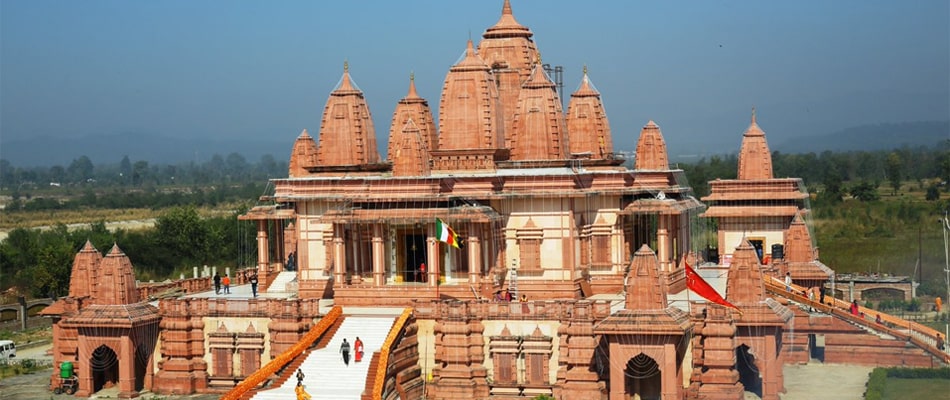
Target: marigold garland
382 366
286 357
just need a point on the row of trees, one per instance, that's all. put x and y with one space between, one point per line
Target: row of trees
38 262
81 172
855 173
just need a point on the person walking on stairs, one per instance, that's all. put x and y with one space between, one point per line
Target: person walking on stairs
345 350
358 350
301 393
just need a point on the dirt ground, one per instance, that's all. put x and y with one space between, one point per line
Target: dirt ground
804 382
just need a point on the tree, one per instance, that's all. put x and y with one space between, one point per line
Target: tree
80 169
865 191
125 170
894 165
933 193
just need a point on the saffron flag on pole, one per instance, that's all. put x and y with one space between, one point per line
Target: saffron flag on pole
444 233
699 285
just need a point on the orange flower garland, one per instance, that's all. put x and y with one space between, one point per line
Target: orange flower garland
384 351
286 357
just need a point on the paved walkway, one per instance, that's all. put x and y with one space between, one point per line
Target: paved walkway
817 381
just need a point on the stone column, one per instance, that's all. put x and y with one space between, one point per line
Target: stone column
577 348
379 256
434 261
263 256
720 381
339 256
474 248
126 355
663 244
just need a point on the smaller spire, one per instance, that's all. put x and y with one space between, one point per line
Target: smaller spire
412 87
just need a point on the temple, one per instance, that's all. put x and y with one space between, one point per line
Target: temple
506 194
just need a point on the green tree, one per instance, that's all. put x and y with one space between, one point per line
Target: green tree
894 165
933 193
865 191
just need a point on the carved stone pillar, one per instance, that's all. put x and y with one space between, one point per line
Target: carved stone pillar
434 260
181 370
339 256
285 326
474 248
379 256
720 381
576 376
456 375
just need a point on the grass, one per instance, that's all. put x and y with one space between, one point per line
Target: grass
899 389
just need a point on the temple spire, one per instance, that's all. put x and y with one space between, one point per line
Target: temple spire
755 158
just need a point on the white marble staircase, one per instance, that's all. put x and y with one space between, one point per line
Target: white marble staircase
326 377
280 283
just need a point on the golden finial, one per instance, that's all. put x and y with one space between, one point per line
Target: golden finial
412 76
346 66
753 114
539 58
585 69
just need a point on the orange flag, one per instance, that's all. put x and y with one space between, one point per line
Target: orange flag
697 284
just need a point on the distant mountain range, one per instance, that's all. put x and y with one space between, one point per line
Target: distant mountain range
156 149
870 138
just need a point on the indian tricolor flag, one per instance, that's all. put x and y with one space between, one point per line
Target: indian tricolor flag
444 233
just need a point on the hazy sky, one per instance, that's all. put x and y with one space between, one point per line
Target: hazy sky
262 69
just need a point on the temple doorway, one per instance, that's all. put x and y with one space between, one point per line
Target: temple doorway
748 370
415 257
643 378
104 366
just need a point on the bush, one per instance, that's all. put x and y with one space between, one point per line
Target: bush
876 383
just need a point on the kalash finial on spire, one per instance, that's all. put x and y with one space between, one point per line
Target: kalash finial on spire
753 114
585 69
346 66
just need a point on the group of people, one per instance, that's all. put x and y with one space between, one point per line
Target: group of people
223 284
357 351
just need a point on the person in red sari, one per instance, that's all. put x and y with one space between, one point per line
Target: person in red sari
358 349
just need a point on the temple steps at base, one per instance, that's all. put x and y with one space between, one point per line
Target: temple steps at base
326 376
280 282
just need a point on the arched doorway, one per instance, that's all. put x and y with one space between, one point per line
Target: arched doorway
104 367
748 370
643 378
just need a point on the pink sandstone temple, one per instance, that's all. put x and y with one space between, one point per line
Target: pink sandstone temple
544 209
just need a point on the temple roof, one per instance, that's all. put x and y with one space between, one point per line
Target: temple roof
303 155
755 159
115 281
651 149
507 26
82 278
538 130
469 91
645 291
100 316
411 152
347 136
415 109
587 123
745 285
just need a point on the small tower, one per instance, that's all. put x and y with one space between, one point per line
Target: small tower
538 131
470 91
347 136
414 108
303 155
587 124
755 159
651 149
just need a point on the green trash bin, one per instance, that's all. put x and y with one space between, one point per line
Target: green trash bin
66 370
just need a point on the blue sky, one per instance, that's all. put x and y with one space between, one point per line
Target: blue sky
263 70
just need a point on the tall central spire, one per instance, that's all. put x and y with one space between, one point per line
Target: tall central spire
347 136
755 159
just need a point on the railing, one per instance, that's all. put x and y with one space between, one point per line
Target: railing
920 335
286 357
385 350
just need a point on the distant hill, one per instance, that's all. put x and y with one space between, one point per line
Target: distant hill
870 138
156 149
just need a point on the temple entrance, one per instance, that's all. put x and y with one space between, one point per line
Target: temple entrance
748 371
643 378
415 251
104 366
